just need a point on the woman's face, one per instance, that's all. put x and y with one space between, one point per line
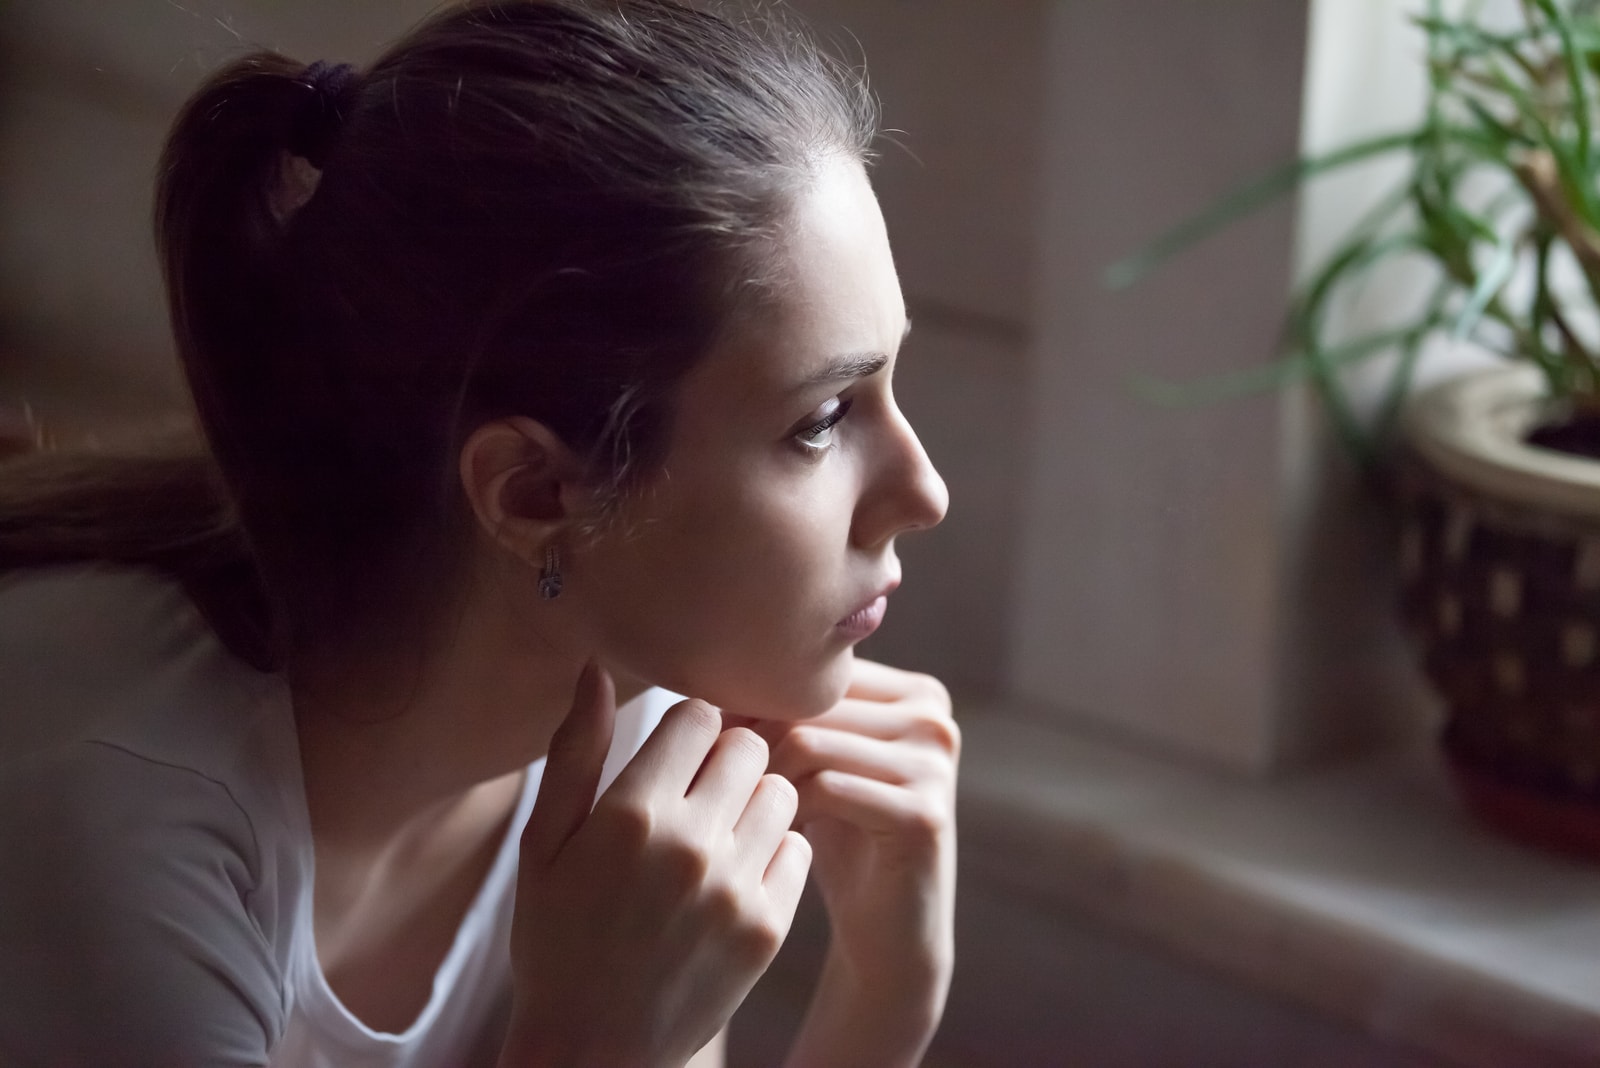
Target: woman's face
747 570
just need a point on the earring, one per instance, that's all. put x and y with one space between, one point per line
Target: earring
550 574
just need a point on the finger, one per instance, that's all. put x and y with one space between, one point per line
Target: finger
764 822
809 749
723 786
874 806
772 731
671 757
572 768
785 877
875 719
872 681
923 721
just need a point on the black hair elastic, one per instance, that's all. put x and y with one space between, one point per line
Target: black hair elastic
316 124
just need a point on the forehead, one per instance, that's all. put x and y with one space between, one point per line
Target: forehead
837 294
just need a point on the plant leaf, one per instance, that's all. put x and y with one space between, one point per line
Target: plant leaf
1244 201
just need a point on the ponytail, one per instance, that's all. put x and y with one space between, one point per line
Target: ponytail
225 194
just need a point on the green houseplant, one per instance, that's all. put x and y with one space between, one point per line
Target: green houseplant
1495 475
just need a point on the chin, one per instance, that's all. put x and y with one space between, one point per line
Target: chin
816 693
783 695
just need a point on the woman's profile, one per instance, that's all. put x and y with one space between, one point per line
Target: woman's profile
483 690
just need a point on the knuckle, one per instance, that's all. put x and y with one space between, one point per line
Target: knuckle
682 865
802 743
630 825
828 783
747 743
780 797
759 941
930 687
942 732
720 902
923 822
801 844
695 714
784 794
950 737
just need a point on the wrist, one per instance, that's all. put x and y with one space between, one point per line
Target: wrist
911 988
908 985
532 1043
872 1016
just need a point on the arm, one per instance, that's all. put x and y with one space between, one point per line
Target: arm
126 937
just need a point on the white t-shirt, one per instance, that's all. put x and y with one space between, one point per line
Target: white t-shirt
156 856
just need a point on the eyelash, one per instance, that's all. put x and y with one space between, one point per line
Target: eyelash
806 438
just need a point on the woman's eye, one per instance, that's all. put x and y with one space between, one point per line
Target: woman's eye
819 435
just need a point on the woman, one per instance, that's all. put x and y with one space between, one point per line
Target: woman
544 369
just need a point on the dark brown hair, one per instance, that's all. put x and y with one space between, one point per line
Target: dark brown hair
545 208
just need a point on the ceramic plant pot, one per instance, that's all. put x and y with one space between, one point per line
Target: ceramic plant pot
1500 554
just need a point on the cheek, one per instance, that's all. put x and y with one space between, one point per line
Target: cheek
732 595
754 565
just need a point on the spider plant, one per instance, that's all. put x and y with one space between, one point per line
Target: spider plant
1499 204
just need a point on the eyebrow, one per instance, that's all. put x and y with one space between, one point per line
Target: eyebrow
852 365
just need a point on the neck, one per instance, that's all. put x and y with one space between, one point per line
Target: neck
396 745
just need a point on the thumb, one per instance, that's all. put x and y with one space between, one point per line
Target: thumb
572 769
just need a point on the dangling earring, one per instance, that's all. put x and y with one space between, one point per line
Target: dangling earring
550 574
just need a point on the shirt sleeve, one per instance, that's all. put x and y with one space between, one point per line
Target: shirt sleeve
126 936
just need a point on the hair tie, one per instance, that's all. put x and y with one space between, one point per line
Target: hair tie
318 119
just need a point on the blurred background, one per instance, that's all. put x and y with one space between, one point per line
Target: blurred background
1196 827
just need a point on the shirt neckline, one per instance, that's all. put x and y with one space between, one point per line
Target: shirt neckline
323 1009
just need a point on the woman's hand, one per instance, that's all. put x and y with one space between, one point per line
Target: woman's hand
641 925
877 781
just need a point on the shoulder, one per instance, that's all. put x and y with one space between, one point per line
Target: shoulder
122 658
94 804
80 644
140 730
147 876
127 914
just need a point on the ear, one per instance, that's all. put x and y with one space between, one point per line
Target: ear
522 482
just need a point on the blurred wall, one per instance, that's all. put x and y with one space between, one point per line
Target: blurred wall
90 88
1152 547
1209 578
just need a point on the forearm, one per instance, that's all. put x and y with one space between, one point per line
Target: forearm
856 1020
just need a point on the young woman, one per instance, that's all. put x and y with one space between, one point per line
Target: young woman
544 369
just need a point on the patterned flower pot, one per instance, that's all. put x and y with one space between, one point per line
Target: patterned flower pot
1500 553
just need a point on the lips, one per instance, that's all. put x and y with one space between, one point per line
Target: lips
867 618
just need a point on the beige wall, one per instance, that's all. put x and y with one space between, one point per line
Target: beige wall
1209 579
1153 548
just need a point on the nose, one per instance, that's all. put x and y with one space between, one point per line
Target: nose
904 492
